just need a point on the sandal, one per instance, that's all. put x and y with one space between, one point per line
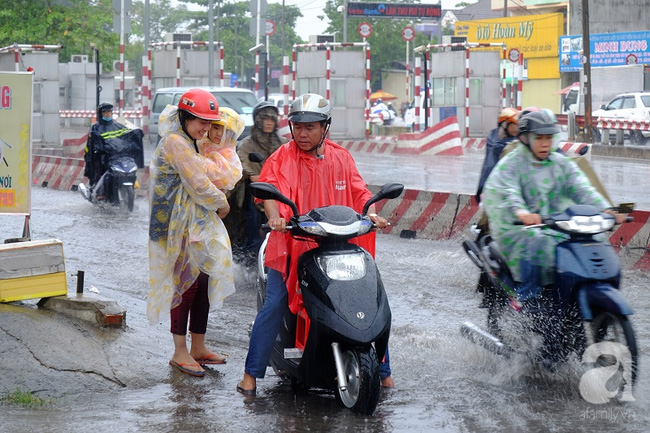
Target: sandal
182 366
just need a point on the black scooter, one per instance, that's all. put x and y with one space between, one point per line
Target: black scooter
337 341
583 308
116 158
116 185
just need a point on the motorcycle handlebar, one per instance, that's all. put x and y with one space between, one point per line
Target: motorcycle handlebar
267 228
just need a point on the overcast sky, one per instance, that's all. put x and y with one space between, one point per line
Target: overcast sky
309 24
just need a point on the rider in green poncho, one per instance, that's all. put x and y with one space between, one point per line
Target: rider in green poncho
527 184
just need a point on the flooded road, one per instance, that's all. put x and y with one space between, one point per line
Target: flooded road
443 382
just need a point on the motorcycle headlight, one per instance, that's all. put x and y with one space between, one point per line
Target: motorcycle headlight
587 224
323 229
118 169
313 228
343 267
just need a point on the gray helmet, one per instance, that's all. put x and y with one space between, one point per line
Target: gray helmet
541 122
265 105
310 107
103 107
265 109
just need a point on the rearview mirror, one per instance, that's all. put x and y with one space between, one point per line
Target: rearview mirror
387 191
266 191
625 207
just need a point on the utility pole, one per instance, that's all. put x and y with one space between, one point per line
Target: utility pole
345 21
97 82
284 27
211 43
588 130
505 8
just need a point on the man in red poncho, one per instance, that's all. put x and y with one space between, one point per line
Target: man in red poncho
312 172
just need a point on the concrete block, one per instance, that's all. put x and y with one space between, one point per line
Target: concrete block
89 307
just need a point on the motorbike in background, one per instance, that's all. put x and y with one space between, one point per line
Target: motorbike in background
117 159
381 114
116 186
338 339
583 308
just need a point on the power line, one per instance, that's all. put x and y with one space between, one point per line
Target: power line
529 11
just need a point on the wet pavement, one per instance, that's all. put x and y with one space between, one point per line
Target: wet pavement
626 179
105 379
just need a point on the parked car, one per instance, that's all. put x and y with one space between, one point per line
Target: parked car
627 106
240 100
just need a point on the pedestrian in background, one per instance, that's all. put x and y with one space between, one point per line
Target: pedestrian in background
245 223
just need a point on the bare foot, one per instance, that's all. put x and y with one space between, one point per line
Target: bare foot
248 385
387 382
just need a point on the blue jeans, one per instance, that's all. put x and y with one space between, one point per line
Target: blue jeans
530 287
267 325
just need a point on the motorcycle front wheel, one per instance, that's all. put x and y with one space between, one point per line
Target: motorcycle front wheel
610 327
637 138
127 197
361 368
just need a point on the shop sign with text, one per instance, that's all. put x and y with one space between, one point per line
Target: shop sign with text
533 35
606 49
393 10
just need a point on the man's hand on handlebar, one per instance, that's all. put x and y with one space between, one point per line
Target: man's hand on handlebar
379 222
278 224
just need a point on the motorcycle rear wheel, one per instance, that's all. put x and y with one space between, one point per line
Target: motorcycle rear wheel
617 329
361 368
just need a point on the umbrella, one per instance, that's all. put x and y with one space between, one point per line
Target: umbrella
566 89
380 94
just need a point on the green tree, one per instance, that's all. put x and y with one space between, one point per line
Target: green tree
74 24
232 27
386 42
163 19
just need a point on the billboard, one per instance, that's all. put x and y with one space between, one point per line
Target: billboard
535 36
606 49
15 142
393 10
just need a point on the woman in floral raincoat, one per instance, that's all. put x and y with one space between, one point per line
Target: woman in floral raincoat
189 250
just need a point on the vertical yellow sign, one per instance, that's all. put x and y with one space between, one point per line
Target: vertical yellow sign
15 142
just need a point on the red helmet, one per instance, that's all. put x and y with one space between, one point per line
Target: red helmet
200 103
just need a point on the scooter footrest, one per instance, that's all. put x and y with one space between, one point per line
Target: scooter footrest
292 353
